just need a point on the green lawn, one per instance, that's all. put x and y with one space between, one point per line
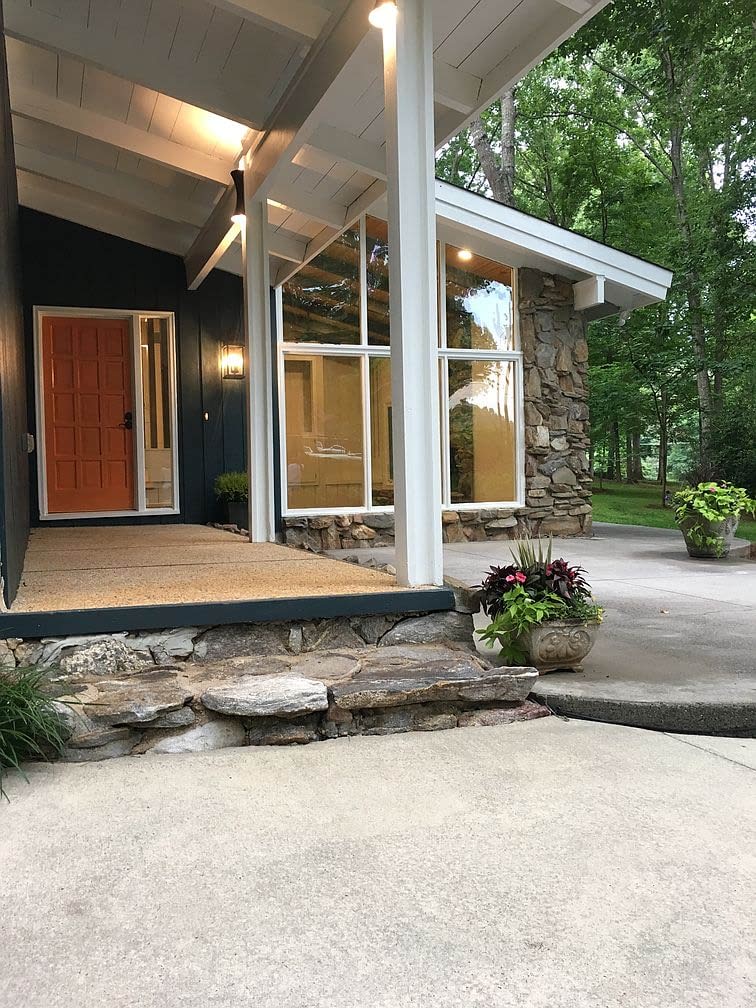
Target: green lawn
641 505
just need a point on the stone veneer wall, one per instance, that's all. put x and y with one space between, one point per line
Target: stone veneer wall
558 483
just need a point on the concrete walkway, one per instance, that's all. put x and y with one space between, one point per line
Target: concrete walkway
677 648
548 865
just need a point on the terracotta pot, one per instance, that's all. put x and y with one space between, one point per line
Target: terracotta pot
723 531
559 644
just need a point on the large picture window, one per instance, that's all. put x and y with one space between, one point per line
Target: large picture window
335 378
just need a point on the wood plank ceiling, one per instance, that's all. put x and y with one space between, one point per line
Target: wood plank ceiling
128 116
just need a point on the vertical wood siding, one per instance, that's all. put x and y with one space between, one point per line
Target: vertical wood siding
14 478
66 265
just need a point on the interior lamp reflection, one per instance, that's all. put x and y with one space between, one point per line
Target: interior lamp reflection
383 14
232 361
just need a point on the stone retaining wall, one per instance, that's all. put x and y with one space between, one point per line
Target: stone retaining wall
282 699
121 652
557 437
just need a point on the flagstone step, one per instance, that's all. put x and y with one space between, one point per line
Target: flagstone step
288 699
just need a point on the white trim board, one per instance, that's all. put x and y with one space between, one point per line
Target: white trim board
133 317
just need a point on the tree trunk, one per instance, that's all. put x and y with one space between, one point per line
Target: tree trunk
628 456
499 172
663 444
691 276
614 448
637 462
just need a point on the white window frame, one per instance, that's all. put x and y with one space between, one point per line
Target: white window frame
445 354
364 351
134 319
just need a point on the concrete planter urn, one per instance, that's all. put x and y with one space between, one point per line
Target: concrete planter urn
559 644
709 540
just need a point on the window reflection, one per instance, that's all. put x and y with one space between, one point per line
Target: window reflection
478 303
381 430
156 399
376 250
482 432
321 303
324 431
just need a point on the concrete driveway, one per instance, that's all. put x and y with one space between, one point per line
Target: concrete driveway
677 645
547 864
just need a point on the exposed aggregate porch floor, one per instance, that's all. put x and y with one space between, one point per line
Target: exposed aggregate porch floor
86 568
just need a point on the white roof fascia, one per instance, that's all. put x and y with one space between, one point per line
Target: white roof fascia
630 282
518 239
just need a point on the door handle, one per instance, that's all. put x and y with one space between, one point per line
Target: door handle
128 421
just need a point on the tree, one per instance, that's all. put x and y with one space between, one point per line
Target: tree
636 132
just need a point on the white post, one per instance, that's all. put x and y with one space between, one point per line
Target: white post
408 86
258 354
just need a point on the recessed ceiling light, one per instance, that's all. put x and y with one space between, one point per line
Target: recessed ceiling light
383 14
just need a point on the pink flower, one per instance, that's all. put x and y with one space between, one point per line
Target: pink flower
509 578
520 577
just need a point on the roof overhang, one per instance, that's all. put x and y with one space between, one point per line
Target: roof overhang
623 282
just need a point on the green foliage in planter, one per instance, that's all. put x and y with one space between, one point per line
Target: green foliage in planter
30 727
232 488
533 590
521 612
713 503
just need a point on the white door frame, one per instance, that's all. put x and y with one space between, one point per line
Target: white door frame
133 318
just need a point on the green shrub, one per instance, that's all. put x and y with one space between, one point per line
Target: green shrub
30 726
232 488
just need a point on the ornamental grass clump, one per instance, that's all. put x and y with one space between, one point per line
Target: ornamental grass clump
533 590
30 726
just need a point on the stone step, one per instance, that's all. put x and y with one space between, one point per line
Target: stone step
286 699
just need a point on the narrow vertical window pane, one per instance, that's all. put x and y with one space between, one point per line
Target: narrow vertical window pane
158 445
482 431
478 302
376 249
381 431
324 464
321 303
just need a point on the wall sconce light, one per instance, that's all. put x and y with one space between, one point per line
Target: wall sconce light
383 14
464 255
232 361
238 216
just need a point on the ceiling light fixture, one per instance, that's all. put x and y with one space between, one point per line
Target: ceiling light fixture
238 216
383 14
465 255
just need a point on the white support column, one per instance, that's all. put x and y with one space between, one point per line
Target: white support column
259 371
408 85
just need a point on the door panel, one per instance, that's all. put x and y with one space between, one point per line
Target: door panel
87 367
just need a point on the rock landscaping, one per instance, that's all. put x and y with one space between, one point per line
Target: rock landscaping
283 699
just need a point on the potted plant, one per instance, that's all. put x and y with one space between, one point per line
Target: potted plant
542 612
708 514
232 489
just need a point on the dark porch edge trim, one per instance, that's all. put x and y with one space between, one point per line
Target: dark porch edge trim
160 617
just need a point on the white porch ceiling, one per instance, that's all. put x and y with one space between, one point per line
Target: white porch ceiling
128 117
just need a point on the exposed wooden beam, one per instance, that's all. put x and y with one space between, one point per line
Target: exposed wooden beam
293 120
115 185
300 18
579 6
210 245
315 207
349 149
220 232
185 80
43 108
455 89
61 200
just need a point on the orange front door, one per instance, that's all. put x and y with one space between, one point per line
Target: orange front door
89 448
